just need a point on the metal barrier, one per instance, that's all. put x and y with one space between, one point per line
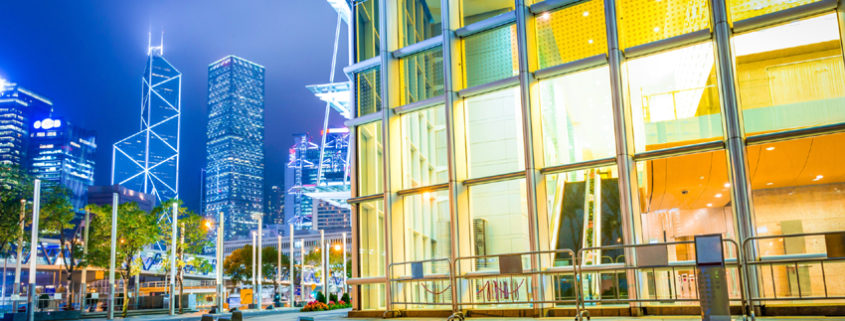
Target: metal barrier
653 258
796 269
419 288
511 284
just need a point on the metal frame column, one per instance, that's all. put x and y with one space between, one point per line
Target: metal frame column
386 113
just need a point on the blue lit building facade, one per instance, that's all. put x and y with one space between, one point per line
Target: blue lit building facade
234 180
18 109
63 154
148 160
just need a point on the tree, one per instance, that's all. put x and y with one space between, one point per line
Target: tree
192 239
15 185
135 230
238 265
57 215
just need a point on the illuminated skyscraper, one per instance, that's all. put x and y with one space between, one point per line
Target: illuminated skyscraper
18 109
234 180
148 160
62 153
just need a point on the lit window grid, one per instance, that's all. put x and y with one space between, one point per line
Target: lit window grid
571 33
687 28
422 76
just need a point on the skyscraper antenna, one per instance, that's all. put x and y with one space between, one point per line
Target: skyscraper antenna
161 43
149 42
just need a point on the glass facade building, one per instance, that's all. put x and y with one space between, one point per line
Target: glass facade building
63 154
19 108
234 180
492 127
148 160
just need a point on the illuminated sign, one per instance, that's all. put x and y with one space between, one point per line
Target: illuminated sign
47 123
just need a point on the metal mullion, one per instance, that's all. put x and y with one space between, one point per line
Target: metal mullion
486 24
386 112
550 5
362 199
362 65
493 179
668 43
679 151
795 134
418 47
423 189
422 104
570 67
778 17
602 162
368 118
488 87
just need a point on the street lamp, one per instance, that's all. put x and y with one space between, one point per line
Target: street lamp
220 263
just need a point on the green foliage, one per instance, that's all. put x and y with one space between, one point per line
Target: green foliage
56 218
345 297
332 297
192 236
320 297
15 185
238 265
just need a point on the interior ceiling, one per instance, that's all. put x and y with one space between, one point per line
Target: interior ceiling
694 181
474 7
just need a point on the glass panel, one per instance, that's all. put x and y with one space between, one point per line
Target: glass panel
420 20
371 238
426 229
424 160
584 212
681 197
368 91
372 297
366 29
494 133
571 33
499 220
490 56
577 117
476 10
797 186
791 76
674 98
644 21
370 169
744 9
422 76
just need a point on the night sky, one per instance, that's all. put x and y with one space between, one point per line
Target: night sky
88 58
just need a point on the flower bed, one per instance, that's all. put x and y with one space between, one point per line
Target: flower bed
320 306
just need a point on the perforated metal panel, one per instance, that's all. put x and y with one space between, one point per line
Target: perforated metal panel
571 33
422 75
645 21
490 56
368 89
744 9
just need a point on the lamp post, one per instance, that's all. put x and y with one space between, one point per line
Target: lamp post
302 269
323 267
84 276
113 255
290 264
33 248
253 267
174 222
220 263
344 263
260 261
279 267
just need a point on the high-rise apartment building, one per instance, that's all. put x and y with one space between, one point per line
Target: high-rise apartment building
63 154
234 173
488 128
276 205
19 108
148 160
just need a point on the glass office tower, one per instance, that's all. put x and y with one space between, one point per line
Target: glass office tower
487 127
234 180
19 108
62 153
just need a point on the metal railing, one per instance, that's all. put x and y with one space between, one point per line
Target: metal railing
794 277
419 283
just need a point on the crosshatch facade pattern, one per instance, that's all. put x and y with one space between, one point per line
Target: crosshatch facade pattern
495 127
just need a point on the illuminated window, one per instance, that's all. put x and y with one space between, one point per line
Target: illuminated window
791 76
744 9
420 20
577 117
494 133
366 29
422 75
490 56
681 197
424 148
368 90
476 10
571 33
371 238
372 297
645 21
798 186
425 228
674 98
370 153
499 219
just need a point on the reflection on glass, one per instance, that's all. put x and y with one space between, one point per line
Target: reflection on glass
577 117
366 29
674 98
744 9
476 10
490 56
420 20
572 33
645 21
681 197
499 219
494 133
798 186
370 159
426 227
424 148
583 209
791 76
368 89
422 76
371 238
